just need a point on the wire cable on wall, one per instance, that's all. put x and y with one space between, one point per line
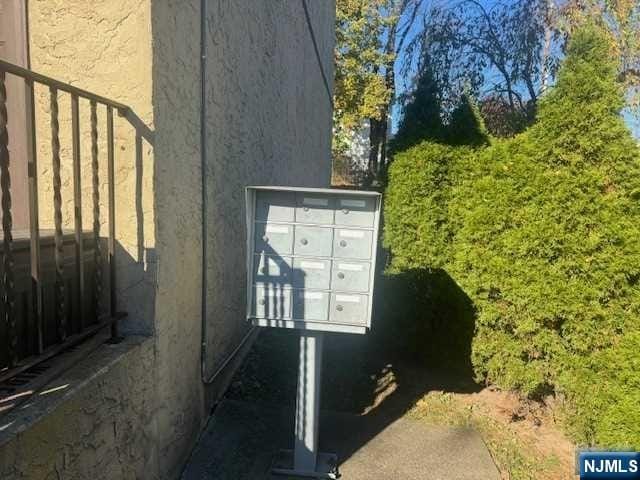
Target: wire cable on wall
317 50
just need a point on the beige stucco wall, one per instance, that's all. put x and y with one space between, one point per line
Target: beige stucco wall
103 46
103 426
268 122
176 106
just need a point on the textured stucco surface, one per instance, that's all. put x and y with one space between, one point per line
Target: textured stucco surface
102 426
177 202
268 122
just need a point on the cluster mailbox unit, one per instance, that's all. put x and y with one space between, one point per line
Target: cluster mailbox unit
311 257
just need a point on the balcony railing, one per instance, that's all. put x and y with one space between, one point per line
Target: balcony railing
52 281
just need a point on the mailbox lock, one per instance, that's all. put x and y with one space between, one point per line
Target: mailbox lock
304 241
340 275
306 209
339 308
265 239
345 211
343 243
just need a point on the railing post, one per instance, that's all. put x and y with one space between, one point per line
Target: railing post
8 294
34 224
77 207
97 253
61 309
112 227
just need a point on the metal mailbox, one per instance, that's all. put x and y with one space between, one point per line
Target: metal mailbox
311 257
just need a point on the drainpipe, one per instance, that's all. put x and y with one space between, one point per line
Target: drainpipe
203 169
203 174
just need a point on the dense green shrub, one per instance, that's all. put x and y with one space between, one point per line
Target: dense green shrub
542 232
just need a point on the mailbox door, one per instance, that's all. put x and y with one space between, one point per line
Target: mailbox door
348 308
312 241
350 276
312 208
311 273
272 269
355 211
310 305
271 302
275 206
273 238
351 243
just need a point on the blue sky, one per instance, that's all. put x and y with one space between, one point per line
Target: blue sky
403 83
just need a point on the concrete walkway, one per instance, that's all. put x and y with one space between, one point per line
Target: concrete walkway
242 438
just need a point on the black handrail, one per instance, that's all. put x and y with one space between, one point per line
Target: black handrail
8 311
57 84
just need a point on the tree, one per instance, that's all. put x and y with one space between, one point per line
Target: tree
369 35
421 113
621 18
503 51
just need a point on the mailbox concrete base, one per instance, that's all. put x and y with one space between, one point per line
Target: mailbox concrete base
326 466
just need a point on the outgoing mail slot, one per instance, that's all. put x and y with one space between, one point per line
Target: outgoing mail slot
311 273
310 305
349 243
312 241
275 206
272 269
348 308
312 208
271 302
349 276
273 238
355 211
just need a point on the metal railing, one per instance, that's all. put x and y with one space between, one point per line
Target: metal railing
90 322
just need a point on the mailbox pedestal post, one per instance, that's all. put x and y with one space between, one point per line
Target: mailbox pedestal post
305 460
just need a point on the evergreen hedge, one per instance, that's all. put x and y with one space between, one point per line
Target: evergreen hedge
542 233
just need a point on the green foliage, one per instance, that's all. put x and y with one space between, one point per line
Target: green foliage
466 126
360 88
421 115
542 232
422 119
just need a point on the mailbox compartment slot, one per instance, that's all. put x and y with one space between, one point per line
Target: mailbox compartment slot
272 269
275 206
311 273
313 208
348 308
271 302
312 241
355 211
352 243
310 305
273 238
350 276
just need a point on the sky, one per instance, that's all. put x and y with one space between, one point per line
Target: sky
403 82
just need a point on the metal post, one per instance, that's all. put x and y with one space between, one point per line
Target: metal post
77 203
305 460
308 401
